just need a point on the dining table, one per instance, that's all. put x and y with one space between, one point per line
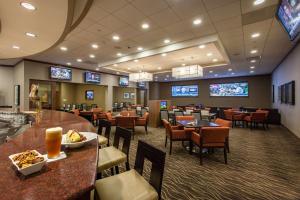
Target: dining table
70 178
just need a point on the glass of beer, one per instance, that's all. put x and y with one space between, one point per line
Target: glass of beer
53 141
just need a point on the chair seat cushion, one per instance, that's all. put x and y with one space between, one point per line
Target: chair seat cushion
195 137
102 140
129 185
110 157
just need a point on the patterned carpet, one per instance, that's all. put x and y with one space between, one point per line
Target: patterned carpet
261 165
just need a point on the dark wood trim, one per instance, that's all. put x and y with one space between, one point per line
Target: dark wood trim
6 65
83 14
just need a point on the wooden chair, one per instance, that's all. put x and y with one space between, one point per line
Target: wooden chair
131 184
174 133
143 121
126 122
112 156
103 140
110 118
211 137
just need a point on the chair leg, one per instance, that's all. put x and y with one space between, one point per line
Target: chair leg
166 140
127 166
170 147
200 153
227 145
225 154
117 169
191 147
112 171
99 175
146 129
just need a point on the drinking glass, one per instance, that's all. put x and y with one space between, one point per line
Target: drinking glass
53 141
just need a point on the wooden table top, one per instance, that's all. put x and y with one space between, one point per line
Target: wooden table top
196 124
69 178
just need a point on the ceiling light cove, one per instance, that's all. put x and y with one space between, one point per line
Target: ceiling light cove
95 46
92 56
28 6
255 35
202 46
63 48
253 51
79 60
166 41
116 37
29 34
197 21
258 2
15 47
145 26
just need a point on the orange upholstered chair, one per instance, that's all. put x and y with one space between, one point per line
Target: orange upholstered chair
232 115
224 123
126 122
143 121
211 137
128 113
188 118
110 118
255 118
174 133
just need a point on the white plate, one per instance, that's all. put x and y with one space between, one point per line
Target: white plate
89 136
31 169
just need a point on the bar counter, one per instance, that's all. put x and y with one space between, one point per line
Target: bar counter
69 178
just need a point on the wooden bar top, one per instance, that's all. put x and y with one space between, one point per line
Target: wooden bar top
69 178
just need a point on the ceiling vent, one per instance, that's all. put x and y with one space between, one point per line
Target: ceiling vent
259 15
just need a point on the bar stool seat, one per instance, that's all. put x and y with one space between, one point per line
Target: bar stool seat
110 157
102 140
125 186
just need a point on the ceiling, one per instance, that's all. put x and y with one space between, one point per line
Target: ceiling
230 22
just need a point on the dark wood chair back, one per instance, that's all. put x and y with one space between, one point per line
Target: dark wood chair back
104 124
258 117
125 122
157 158
126 135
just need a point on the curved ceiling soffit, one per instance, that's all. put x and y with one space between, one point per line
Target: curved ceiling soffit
51 26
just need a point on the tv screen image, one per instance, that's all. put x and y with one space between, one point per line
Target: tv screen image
124 81
163 105
92 77
60 73
141 84
89 95
288 14
185 91
229 90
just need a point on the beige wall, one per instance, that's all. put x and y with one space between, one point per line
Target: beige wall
6 86
119 94
287 71
259 92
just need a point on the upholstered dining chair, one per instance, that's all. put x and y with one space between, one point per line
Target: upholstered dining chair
255 118
131 184
267 116
96 111
103 140
112 156
197 115
174 133
126 122
188 118
128 113
143 121
110 118
224 123
211 137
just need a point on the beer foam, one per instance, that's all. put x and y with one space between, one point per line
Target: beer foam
54 130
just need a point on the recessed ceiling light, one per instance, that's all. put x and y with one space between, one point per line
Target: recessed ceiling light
255 35
209 54
167 75
166 41
232 73
164 54
28 6
166 79
95 46
216 75
30 34
215 60
79 60
145 26
251 71
253 61
15 47
63 48
136 60
156 77
211 71
253 51
128 68
252 67
202 46
257 2
183 64
97 69
116 37
230 69
159 68
118 72
92 56
119 54
115 65
140 49
68 63
197 21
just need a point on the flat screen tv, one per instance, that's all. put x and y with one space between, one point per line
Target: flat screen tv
141 84
89 94
92 77
123 81
60 73
229 90
185 91
163 105
288 14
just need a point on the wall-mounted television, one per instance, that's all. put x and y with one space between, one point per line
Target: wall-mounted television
92 77
229 90
141 84
89 94
123 81
60 73
163 105
288 13
185 91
